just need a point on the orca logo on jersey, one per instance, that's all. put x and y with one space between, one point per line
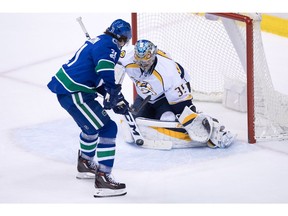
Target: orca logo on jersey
145 87
113 54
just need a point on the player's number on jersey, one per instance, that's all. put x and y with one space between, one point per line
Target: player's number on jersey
77 54
182 89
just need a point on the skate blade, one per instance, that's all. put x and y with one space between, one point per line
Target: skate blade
105 192
85 175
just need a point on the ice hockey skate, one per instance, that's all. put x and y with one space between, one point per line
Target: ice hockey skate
86 168
106 186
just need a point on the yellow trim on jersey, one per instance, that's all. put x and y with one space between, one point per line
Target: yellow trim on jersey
172 133
189 97
132 65
158 76
162 53
178 69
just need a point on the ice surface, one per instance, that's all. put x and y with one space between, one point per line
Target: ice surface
39 141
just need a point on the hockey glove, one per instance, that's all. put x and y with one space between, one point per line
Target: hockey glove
112 97
122 107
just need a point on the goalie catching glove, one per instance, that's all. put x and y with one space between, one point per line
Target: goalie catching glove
115 100
202 128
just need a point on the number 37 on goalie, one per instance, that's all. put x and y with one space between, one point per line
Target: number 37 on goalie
183 88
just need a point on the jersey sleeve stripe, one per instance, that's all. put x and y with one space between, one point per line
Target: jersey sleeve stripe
104 65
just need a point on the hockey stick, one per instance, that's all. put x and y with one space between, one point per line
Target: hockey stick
133 127
79 20
136 110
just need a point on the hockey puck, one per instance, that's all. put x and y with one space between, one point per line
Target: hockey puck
139 142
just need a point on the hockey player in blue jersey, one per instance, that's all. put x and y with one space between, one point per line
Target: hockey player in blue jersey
88 73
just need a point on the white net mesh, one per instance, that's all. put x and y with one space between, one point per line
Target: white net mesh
213 50
271 107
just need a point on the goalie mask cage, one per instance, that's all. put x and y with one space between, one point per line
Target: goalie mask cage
214 48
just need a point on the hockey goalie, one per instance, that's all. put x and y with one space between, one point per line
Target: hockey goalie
166 116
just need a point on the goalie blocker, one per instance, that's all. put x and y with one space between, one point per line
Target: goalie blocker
192 130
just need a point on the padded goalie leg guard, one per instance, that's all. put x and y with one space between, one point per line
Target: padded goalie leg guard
198 126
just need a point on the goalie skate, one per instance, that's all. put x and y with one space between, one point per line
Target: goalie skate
86 168
105 186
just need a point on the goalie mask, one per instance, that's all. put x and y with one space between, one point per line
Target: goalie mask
144 55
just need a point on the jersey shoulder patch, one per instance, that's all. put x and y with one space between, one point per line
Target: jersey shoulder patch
123 53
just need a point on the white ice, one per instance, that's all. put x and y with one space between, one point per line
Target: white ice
39 141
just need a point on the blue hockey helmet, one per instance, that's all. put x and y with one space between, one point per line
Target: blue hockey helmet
121 30
144 55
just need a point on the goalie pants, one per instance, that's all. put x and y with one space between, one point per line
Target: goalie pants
154 111
98 131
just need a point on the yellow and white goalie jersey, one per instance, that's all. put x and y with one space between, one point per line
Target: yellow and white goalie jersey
168 79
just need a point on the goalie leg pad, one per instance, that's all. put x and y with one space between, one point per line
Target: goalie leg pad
165 135
198 126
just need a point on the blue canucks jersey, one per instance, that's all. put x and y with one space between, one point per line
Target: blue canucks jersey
91 65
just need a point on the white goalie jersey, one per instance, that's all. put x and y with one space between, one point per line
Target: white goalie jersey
167 79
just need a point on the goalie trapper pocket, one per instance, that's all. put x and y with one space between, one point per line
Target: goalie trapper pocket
206 125
198 126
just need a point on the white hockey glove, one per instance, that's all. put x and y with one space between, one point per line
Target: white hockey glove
198 126
203 128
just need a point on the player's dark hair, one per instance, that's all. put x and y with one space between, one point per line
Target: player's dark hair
121 38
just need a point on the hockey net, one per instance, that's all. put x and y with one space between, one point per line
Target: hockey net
221 50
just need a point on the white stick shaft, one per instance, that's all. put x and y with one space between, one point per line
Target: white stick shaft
79 20
134 129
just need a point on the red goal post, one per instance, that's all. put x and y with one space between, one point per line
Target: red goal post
166 29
